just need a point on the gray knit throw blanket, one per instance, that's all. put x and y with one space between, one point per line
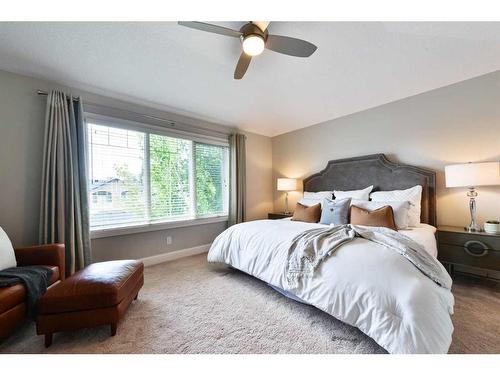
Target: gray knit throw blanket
34 278
311 247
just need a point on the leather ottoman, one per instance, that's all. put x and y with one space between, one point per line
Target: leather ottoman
97 295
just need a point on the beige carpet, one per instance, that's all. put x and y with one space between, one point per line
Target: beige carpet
187 306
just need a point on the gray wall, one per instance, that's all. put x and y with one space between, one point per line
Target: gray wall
259 176
21 147
453 124
146 244
22 114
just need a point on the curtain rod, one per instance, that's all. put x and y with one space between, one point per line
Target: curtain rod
170 122
45 93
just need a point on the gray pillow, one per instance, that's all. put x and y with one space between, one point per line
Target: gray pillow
335 212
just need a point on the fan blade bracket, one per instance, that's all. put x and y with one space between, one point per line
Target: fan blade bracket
262 25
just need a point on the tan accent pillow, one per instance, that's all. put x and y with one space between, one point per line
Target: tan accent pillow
307 214
381 217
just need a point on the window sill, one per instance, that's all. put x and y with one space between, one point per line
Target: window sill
121 231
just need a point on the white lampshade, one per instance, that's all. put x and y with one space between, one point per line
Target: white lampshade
472 174
287 184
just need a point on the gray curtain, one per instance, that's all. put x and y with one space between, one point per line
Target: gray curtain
64 214
237 191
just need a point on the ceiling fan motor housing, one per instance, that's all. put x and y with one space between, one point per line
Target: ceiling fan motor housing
252 29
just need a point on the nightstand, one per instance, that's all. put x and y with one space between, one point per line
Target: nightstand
457 247
278 215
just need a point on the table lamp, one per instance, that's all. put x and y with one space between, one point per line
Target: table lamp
286 185
472 175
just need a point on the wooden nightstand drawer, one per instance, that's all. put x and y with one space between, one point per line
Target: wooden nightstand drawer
473 256
476 253
460 239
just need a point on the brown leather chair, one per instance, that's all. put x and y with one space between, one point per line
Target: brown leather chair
12 305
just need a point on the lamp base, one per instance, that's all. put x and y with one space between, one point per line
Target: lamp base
472 229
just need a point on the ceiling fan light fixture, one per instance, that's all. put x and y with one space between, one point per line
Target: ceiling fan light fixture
254 38
253 45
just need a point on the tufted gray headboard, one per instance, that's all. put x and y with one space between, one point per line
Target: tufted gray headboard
360 172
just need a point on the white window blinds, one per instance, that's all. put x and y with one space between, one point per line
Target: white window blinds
211 182
116 186
143 178
170 181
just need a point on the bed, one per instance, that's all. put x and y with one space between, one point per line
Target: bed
364 284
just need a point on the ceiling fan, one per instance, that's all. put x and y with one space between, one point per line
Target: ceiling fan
254 38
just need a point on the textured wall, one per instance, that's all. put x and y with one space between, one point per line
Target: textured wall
22 115
259 176
453 124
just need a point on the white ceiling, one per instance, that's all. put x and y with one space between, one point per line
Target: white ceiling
357 66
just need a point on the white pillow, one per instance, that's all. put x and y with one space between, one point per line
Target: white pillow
318 195
363 194
310 202
412 195
7 255
313 198
400 209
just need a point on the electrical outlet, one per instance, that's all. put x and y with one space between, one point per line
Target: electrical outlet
169 240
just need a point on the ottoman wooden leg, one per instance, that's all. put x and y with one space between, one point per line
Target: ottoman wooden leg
48 339
113 328
136 296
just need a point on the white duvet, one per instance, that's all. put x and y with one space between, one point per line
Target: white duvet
362 283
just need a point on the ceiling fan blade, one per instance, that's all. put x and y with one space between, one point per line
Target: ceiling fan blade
263 25
210 28
242 65
290 46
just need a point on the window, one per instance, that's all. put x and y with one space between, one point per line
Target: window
102 196
141 178
209 175
170 181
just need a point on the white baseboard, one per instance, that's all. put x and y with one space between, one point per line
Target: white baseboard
167 257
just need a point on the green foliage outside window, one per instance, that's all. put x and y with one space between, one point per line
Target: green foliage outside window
133 201
169 158
209 179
